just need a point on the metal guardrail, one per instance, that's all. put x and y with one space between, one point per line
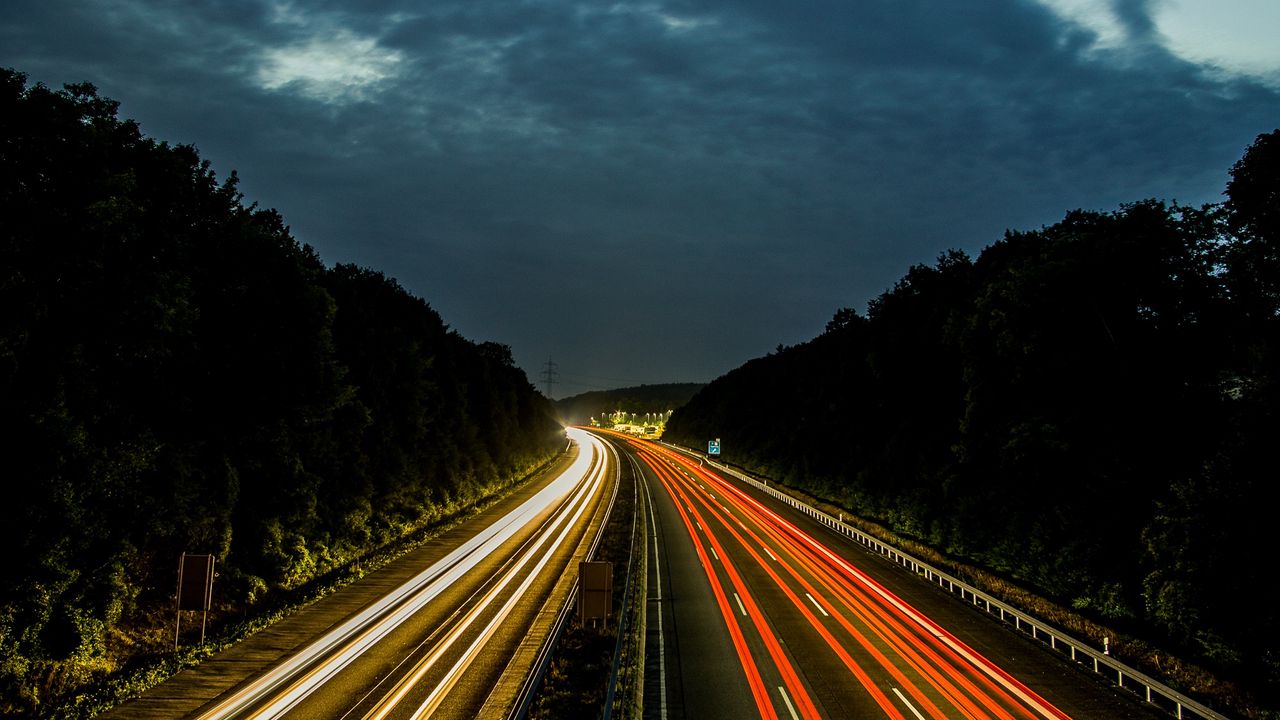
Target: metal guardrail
1145 687
628 705
542 661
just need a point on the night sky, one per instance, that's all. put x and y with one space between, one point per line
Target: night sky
658 191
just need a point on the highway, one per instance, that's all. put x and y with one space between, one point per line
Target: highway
457 639
755 611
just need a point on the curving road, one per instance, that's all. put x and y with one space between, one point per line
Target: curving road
754 610
455 638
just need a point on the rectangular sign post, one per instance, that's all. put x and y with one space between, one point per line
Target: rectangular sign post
195 590
595 590
713 447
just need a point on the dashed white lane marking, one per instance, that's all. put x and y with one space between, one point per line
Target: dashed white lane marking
815 604
906 702
790 708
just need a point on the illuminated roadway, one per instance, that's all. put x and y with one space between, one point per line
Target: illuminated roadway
754 611
447 643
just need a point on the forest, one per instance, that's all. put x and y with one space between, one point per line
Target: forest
179 374
1090 409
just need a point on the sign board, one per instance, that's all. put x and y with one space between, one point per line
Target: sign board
195 582
595 590
195 590
713 447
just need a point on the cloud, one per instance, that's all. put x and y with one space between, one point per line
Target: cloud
763 162
325 60
341 66
1136 18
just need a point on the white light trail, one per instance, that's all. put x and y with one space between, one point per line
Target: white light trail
301 674
565 524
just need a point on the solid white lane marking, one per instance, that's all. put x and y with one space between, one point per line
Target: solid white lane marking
662 640
815 604
907 702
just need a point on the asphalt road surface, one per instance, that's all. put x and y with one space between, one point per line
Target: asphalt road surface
449 632
754 610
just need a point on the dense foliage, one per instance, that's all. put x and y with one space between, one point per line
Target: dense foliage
1090 409
178 374
641 400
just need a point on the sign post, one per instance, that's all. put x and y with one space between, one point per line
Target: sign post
595 590
713 447
195 590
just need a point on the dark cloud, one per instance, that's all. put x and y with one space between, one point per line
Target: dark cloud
658 190
1136 17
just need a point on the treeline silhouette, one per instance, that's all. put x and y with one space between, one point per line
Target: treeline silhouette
1089 409
178 374
640 399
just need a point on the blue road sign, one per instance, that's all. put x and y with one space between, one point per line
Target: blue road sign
713 447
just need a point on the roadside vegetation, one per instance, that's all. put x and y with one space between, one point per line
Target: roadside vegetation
1087 412
179 374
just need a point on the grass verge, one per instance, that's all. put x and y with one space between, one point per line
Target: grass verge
141 673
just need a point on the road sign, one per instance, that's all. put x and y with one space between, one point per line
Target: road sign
595 590
195 590
713 447
195 581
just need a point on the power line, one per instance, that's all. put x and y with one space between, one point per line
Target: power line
549 374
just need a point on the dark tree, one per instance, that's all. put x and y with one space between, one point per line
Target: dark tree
1084 409
178 373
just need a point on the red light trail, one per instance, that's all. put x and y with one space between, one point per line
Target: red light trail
907 665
